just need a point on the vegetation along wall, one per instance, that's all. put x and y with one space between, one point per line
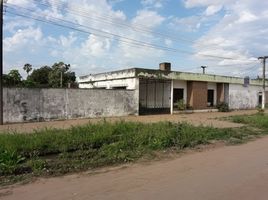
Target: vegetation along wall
25 104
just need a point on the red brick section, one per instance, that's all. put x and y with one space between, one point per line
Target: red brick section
197 94
220 92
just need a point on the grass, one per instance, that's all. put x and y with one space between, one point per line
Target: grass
259 120
53 152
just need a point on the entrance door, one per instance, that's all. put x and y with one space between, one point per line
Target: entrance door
177 95
210 97
260 98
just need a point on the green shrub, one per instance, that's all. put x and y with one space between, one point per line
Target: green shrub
259 109
223 107
9 162
37 165
181 104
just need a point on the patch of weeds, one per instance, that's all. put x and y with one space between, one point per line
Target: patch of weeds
10 162
37 165
259 120
223 107
56 152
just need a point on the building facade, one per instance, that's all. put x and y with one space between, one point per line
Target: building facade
160 90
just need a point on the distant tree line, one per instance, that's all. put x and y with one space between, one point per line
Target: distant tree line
56 76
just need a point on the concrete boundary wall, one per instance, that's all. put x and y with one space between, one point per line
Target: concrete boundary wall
241 97
25 104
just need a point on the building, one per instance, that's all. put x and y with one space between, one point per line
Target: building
160 90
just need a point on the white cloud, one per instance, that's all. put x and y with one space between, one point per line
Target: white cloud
148 18
27 3
242 34
66 41
194 23
152 3
115 1
21 38
205 3
16 24
246 16
95 46
87 53
191 24
168 42
212 9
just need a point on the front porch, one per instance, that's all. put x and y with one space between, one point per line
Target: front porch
160 96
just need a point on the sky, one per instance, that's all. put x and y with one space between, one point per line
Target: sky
93 36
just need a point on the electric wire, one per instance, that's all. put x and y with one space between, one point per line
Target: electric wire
110 20
118 37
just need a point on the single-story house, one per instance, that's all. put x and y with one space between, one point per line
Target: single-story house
159 90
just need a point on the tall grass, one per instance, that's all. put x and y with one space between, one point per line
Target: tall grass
58 151
96 136
259 120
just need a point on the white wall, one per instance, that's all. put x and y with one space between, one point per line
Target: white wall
241 97
120 74
41 104
213 86
181 85
129 83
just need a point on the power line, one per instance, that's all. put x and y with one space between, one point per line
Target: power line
105 19
135 42
232 65
108 19
248 70
104 32
117 37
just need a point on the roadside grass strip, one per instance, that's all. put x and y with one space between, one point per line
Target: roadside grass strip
52 152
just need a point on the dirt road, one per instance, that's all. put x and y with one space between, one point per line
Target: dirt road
206 119
225 173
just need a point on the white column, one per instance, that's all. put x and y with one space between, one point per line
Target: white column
171 98
263 100
137 94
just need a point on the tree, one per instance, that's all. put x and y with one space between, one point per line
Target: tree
60 75
14 77
27 67
40 76
6 80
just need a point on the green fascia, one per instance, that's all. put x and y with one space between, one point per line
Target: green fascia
187 76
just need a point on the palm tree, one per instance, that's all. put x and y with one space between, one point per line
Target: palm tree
27 67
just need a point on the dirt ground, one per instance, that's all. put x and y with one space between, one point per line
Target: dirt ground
206 119
226 173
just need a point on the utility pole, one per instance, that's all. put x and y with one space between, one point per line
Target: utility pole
1 66
263 58
204 69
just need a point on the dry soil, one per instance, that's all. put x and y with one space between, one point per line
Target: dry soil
206 119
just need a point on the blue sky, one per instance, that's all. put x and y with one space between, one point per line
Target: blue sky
225 35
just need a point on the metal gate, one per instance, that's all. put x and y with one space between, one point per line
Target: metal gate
154 96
